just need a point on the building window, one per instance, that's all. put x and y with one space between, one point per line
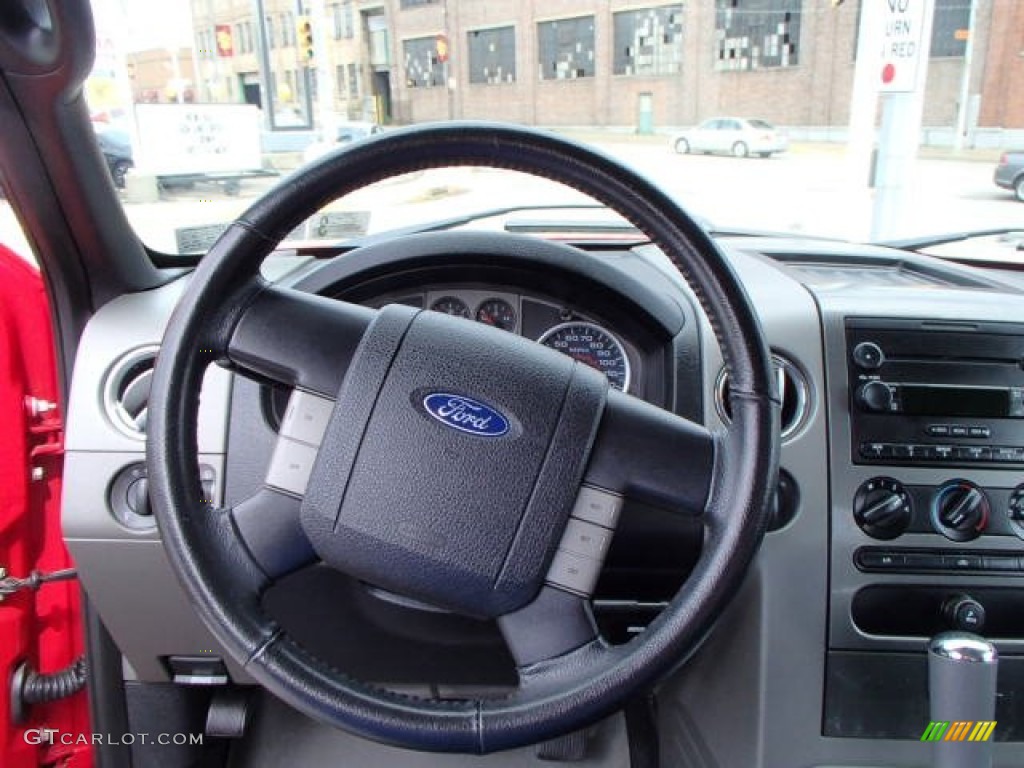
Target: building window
336 18
348 18
756 34
415 3
339 79
566 48
648 41
288 29
353 81
950 16
492 55
271 37
422 67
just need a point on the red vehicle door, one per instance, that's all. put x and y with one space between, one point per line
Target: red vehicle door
40 623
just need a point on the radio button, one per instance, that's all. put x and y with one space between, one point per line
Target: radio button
958 430
923 452
1004 454
875 450
974 452
979 432
902 451
943 452
868 355
938 430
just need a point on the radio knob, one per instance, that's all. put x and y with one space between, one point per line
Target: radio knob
875 396
960 510
868 355
882 508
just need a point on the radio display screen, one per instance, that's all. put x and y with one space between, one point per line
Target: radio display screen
955 401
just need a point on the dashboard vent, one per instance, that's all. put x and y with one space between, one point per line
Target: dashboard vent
126 395
790 381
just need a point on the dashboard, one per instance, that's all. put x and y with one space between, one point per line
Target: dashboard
900 509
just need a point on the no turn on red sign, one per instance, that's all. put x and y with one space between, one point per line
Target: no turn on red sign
902 25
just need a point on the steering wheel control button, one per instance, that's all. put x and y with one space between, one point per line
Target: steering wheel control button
306 417
960 510
597 506
587 539
290 466
868 355
882 508
574 573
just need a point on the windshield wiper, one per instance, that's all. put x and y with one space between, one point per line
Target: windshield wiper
916 244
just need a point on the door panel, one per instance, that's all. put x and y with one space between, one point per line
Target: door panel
39 628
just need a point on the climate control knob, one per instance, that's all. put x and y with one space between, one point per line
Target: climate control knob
882 508
960 510
875 396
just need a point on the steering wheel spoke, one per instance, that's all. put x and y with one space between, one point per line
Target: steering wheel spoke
268 524
297 339
654 456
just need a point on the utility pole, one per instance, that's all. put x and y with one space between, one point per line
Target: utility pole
965 81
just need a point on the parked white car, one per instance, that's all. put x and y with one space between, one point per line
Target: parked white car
344 133
737 136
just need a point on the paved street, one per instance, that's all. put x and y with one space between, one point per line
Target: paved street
811 189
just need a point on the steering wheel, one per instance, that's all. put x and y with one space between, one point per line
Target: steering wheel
454 463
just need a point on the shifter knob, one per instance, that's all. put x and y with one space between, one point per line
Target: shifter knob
961 689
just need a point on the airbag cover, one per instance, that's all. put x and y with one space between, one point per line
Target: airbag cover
448 469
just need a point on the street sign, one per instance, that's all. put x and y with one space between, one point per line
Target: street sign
903 44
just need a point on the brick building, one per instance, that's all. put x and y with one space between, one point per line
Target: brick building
598 62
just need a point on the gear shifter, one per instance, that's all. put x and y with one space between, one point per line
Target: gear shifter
962 691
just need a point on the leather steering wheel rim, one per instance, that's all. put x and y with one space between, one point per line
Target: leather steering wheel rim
217 570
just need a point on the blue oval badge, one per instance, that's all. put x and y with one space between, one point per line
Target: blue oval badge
465 414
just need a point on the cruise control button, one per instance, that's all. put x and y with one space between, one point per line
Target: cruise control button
597 506
306 417
587 539
290 466
573 572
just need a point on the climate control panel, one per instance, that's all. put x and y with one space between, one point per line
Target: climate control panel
958 509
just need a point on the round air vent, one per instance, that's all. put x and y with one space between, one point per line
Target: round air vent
126 394
790 382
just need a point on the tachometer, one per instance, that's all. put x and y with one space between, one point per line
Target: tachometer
451 305
594 346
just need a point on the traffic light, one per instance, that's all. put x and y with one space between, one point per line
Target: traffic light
304 39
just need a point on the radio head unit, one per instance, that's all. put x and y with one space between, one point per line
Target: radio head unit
937 392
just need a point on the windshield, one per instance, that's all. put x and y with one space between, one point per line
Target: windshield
856 120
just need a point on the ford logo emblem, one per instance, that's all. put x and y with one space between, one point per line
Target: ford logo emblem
465 414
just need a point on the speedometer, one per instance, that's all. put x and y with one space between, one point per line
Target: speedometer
592 345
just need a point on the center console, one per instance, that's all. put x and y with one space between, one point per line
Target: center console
927 526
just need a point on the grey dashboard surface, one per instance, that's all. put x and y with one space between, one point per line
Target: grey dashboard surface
724 707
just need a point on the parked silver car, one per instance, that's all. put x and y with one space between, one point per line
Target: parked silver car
736 136
1010 172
